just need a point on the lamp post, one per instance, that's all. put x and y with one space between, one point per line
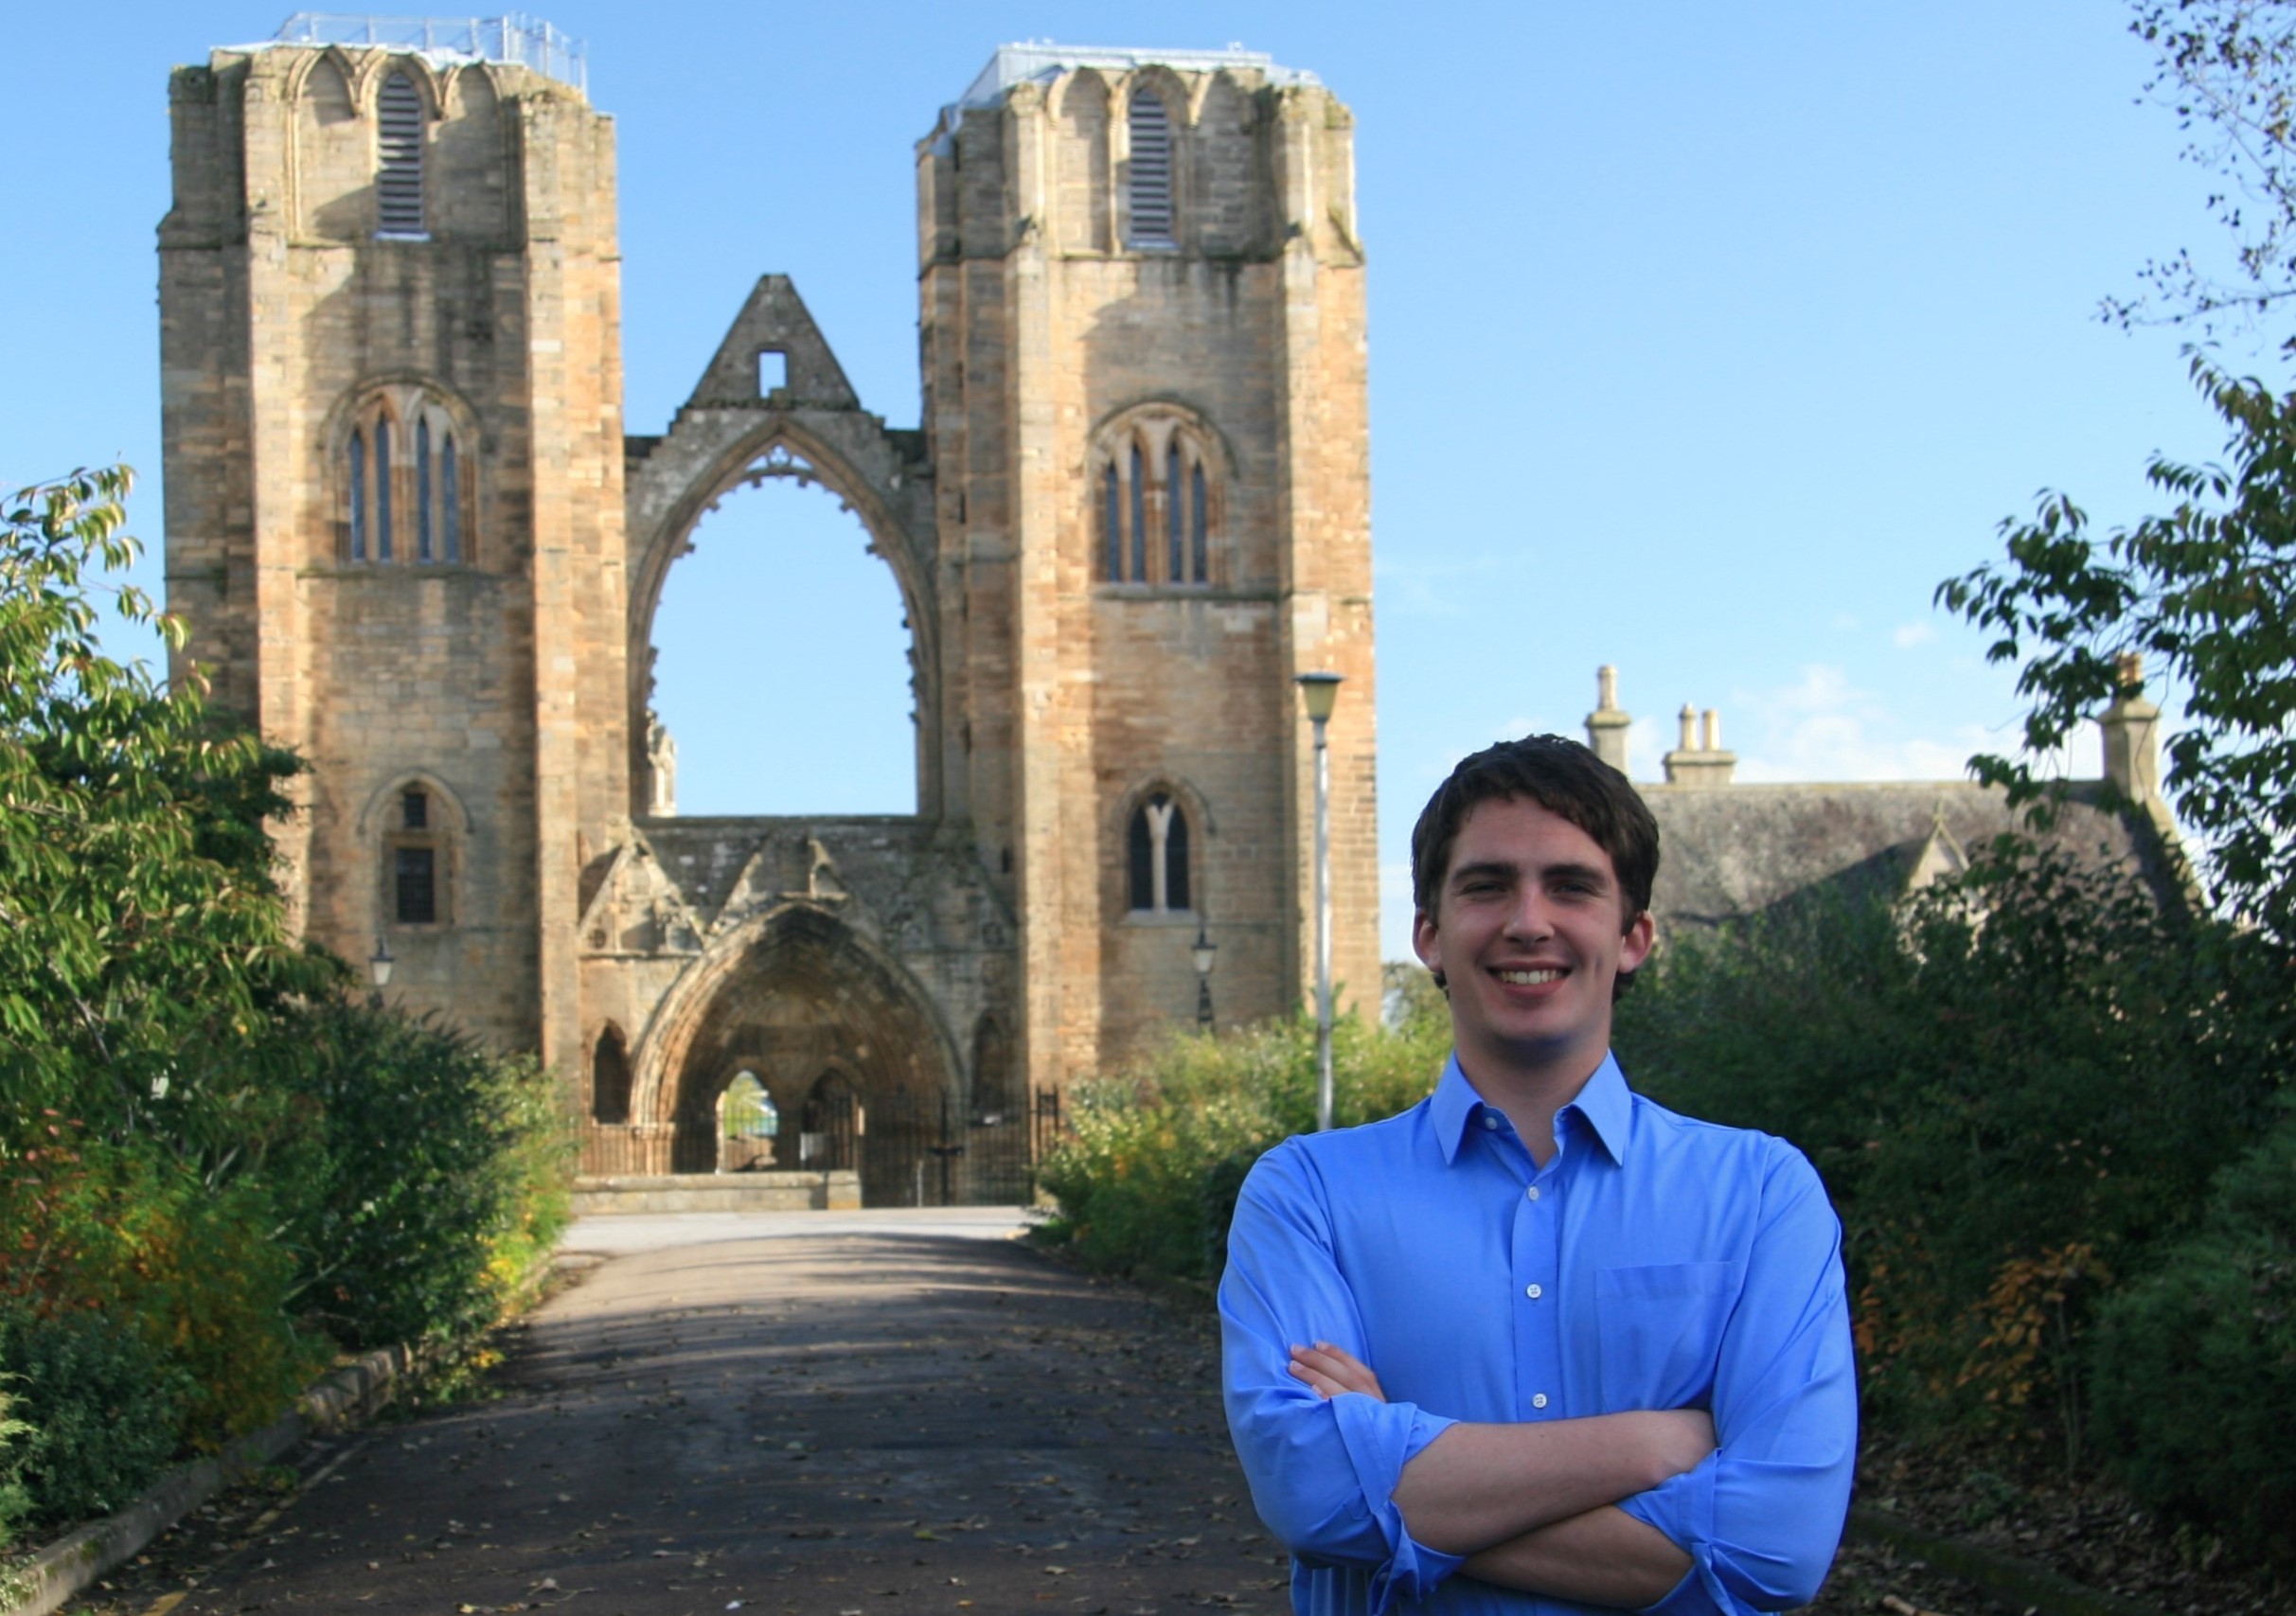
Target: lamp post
1200 955
379 967
1321 691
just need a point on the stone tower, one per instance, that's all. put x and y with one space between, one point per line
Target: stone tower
391 346
1144 338
412 541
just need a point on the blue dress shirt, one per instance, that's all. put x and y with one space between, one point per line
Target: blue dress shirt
1655 1262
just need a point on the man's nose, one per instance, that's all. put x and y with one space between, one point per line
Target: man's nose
1528 917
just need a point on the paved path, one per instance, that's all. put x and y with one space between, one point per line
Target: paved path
896 1412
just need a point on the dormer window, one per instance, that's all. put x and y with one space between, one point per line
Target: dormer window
399 158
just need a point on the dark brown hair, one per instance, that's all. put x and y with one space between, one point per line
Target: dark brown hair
1561 776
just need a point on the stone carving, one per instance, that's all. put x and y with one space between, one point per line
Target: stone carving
662 767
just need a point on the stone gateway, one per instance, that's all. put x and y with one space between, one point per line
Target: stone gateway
413 541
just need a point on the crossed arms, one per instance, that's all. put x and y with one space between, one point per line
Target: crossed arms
1534 1506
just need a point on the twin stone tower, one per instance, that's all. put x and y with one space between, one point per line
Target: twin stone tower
413 541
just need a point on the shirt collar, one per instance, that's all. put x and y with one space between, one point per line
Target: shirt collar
1604 1103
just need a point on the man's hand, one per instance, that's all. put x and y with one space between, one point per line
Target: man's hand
1332 1371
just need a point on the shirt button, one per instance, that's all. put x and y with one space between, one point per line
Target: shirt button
1532 1192
1539 1400
1532 1291
1490 1122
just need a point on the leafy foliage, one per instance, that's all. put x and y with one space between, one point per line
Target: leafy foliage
2196 1364
141 936
2015 1090
436 1174
2208 593
213 1173
103 1409
1146 1183
2226 68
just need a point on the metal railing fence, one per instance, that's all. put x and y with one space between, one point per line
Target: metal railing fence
511 37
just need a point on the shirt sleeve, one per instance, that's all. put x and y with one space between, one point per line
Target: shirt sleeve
1762 1516
1323 1473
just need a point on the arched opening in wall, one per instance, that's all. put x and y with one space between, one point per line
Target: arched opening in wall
844 1042
832 1126
749 1125
609 1077
782 673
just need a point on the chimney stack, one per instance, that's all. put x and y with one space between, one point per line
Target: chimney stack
2132 735
1700 764
1607 726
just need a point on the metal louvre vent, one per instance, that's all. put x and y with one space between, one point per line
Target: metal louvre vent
1151 191
399 158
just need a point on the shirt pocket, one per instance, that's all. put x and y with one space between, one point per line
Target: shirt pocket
1662 1332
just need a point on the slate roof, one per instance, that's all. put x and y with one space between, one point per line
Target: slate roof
1728 851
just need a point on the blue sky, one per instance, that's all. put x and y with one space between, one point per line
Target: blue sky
1706 341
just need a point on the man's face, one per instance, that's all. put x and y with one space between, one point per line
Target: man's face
1529 932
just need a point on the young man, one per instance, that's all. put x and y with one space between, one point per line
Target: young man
1539 1344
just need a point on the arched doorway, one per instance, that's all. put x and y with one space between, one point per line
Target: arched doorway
837 1035
749 1125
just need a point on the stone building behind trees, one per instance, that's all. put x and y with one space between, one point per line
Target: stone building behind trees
412 541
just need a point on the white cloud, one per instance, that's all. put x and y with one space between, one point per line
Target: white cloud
1908 636
1822 727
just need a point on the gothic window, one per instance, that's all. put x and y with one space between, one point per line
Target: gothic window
1139 546
417 844
357 469
1111 523
382 489
1157 502
1151 173
425 540
404 490
609 1077
399 158
1158 856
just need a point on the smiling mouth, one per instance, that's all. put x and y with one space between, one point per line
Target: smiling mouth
1538 978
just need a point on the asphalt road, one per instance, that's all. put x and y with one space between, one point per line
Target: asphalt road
848 1415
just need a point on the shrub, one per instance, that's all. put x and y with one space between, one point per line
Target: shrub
428 1177
15 1498
103 1407
134 1231
2016 1088
1146 1182
2196 1364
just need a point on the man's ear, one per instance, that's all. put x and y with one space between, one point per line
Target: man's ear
1634 947
1423 944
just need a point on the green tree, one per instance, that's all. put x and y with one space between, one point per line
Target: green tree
142 933
2207 594
2227 69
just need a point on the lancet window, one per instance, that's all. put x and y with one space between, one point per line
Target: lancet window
1158 856
1157 495
406 481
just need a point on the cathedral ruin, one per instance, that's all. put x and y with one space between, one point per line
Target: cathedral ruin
412 541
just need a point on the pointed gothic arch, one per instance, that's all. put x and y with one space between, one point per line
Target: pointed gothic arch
796 992
778 446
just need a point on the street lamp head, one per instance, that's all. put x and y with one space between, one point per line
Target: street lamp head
1202 951
1321 691
379 963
